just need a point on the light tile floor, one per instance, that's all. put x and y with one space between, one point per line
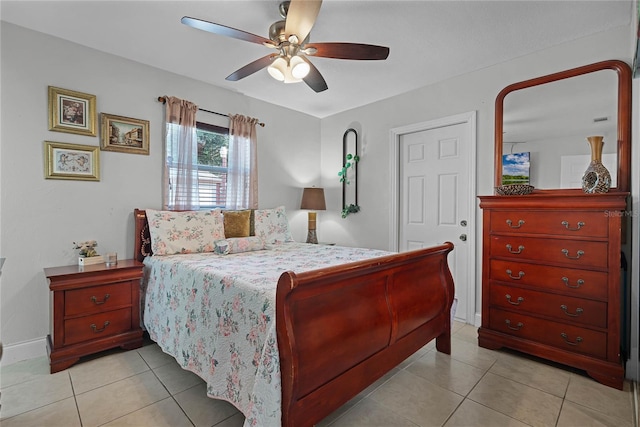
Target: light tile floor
472 387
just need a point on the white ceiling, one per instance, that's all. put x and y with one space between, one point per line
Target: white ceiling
430 41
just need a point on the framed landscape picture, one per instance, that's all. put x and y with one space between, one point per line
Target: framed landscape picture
515 168
124 134
72 112
71 161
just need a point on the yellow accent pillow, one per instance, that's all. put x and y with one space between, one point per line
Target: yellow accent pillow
236 223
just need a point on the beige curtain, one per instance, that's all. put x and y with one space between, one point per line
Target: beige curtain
180 190
242 172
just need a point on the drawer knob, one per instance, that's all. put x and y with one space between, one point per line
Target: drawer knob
520 222
95 328
511 276
96 302
578 254
579 283
566 225
518 301
520 249
577 341
578 312
516 328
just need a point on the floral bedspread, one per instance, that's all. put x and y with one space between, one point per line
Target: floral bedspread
215 314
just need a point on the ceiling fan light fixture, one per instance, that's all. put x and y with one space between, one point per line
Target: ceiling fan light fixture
299 67
278 69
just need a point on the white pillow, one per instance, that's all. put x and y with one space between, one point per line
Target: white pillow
184 232
272 225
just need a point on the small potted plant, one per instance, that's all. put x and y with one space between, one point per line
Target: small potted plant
87 252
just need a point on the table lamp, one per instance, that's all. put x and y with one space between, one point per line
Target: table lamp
313 200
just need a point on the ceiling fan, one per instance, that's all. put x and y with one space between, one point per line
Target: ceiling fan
290 38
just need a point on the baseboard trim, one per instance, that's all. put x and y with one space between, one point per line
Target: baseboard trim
24 351
478 320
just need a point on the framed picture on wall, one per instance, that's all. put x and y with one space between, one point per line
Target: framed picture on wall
72 112
124 134
71 161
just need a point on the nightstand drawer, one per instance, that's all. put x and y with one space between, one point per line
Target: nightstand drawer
97 299
97 326
583 224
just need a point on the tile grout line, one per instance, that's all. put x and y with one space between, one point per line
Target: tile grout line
165 387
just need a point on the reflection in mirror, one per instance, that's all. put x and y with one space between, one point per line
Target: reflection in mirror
550 117
552 123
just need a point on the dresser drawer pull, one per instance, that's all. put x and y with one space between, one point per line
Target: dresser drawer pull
519 300
566 225
96 330
96 302
578 312
580 282
520 249
518 326
510 274
578 254
520 222
564 336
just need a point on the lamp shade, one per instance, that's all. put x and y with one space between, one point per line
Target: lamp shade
313 199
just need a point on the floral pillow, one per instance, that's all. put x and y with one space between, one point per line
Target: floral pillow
238 245
184 232
272 225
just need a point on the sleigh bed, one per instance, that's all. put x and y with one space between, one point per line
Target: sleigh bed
316 337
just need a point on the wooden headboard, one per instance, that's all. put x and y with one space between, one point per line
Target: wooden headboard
142 244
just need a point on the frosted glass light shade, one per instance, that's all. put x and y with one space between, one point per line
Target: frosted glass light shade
278 70
299 67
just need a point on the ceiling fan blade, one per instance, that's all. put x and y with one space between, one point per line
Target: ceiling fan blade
347 51
301 16
223 30
252 67
314 79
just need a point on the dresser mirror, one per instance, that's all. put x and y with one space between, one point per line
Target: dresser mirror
549 119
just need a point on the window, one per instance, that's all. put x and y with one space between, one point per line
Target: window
213 146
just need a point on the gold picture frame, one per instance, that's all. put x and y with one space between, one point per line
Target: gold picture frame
72 112
124 134
71 161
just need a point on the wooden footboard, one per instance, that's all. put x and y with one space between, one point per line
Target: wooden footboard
340 329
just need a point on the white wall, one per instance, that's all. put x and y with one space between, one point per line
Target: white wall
468 92
40 218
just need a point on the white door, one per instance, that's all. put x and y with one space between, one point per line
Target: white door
435 198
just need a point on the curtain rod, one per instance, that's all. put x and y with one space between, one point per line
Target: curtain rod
163 100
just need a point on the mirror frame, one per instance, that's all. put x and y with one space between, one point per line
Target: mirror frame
624 119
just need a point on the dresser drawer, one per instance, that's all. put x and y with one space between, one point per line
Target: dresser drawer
587 224
560 307
97 326
569 281
576 254
97 298
559 335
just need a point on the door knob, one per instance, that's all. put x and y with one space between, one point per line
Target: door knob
463 237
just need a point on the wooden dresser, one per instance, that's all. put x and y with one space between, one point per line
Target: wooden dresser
94 308
551 279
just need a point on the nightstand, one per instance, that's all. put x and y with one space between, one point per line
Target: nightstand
94 308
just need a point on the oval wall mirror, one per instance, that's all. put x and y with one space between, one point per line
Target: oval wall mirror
546 121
